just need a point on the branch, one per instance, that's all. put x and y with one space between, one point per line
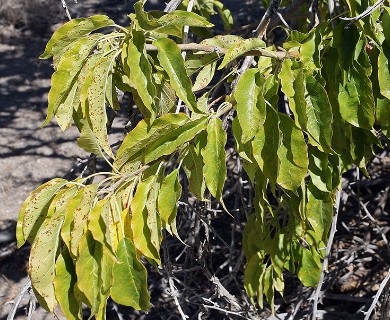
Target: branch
17 300
364 14
327 254
378 294
172 5
221 51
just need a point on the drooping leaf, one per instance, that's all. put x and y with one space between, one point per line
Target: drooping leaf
65 286
34 210
320 169
130 278
168 197
141 78
139 226
253 278
293 154
73 31
250 103
153 220
43 258
90 253
97 92
87 139
193 166
76 216
266 145
225 14
69 66
319 113
384 70
172 62
214 158
241 48
65 109
310 268
319 213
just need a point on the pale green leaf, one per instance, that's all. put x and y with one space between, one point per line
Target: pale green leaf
65 109
204 77
223 41
73 31
97 92
87 139
90 253
153 220
293 154
240 49
168 197
250 103
69 66
214 158
172 62
42 260
65 286
130 278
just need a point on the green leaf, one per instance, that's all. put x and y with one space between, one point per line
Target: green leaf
310 268
193 166
90 253
73 31
153 220
279 253
240 48
65 109
204 77
42 260
214 158
139 226
250 103
87 139
141 78
253 278
319 213
141 137
356 99
293 154
69 66
97 92
65 286
130 278
266 145
168 197
320 170
35 209
268 286
172 62
169 143
384 70
319 113
225 14
76 216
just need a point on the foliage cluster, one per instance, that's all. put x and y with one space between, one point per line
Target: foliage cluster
88 238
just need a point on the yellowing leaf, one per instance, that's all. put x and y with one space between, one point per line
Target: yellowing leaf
69 66
72 31
250 103
35 209
42 260
214 158
130 278
139 226
97 92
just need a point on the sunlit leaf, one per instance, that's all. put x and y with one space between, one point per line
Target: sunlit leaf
130 279
168 197
204 77
310 269
214 158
